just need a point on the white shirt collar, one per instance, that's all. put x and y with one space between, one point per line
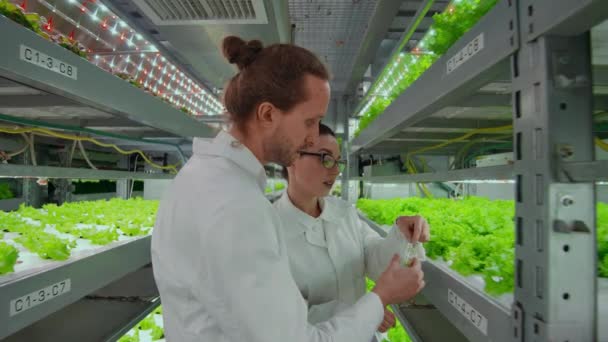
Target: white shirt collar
328 212
226 146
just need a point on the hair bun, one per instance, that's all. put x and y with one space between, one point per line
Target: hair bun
239 52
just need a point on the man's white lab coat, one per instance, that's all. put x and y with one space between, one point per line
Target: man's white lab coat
220 261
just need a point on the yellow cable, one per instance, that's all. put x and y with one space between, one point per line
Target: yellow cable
411 167
463 137
602 144
46 132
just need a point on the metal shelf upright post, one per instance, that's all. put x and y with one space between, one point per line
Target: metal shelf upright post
548 53
555 250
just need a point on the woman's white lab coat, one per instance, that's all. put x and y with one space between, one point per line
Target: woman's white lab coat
220 260
331 255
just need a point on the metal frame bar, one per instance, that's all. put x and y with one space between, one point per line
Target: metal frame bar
555 298
585 171
560 17
29 171
502 172
409 328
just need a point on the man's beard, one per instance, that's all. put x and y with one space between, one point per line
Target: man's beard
281 151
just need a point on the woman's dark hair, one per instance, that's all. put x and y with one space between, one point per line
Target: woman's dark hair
323 130
272 74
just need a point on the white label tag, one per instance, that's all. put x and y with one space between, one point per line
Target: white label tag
465 54
30 300
44 61
465 309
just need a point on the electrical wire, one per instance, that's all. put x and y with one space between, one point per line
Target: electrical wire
47 132
602 144
20 151
71 155
30 140
133 181
409 157
42 124
412 167
463 137
84 155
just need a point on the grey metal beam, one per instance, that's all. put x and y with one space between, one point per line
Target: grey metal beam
489 63
378 26
86 273
426 323
602 309
184 144
92 123
402 149
154 134
212 119
560 17
400 31
447 290
460 123
600 102
600 75
412 13
555 298
502 172
343 110
29 171
441 137
584 171
486 100
35 101
85 315
92 87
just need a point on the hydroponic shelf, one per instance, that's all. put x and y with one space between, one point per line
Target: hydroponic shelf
38 288
53 77
477 315
54 256
470 86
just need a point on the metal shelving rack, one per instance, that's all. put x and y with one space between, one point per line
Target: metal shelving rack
534 71
97 95
114 282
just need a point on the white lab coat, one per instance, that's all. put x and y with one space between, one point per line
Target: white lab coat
220 260
331 255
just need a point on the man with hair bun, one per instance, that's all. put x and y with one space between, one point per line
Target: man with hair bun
218 250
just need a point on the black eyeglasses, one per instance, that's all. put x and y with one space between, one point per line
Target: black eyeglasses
327 160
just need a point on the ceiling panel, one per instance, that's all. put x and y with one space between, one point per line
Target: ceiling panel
334 30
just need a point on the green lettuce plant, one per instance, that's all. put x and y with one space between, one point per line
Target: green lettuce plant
80 220
475 235
8 257
5 192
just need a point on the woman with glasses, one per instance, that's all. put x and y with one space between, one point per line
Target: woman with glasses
331 250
